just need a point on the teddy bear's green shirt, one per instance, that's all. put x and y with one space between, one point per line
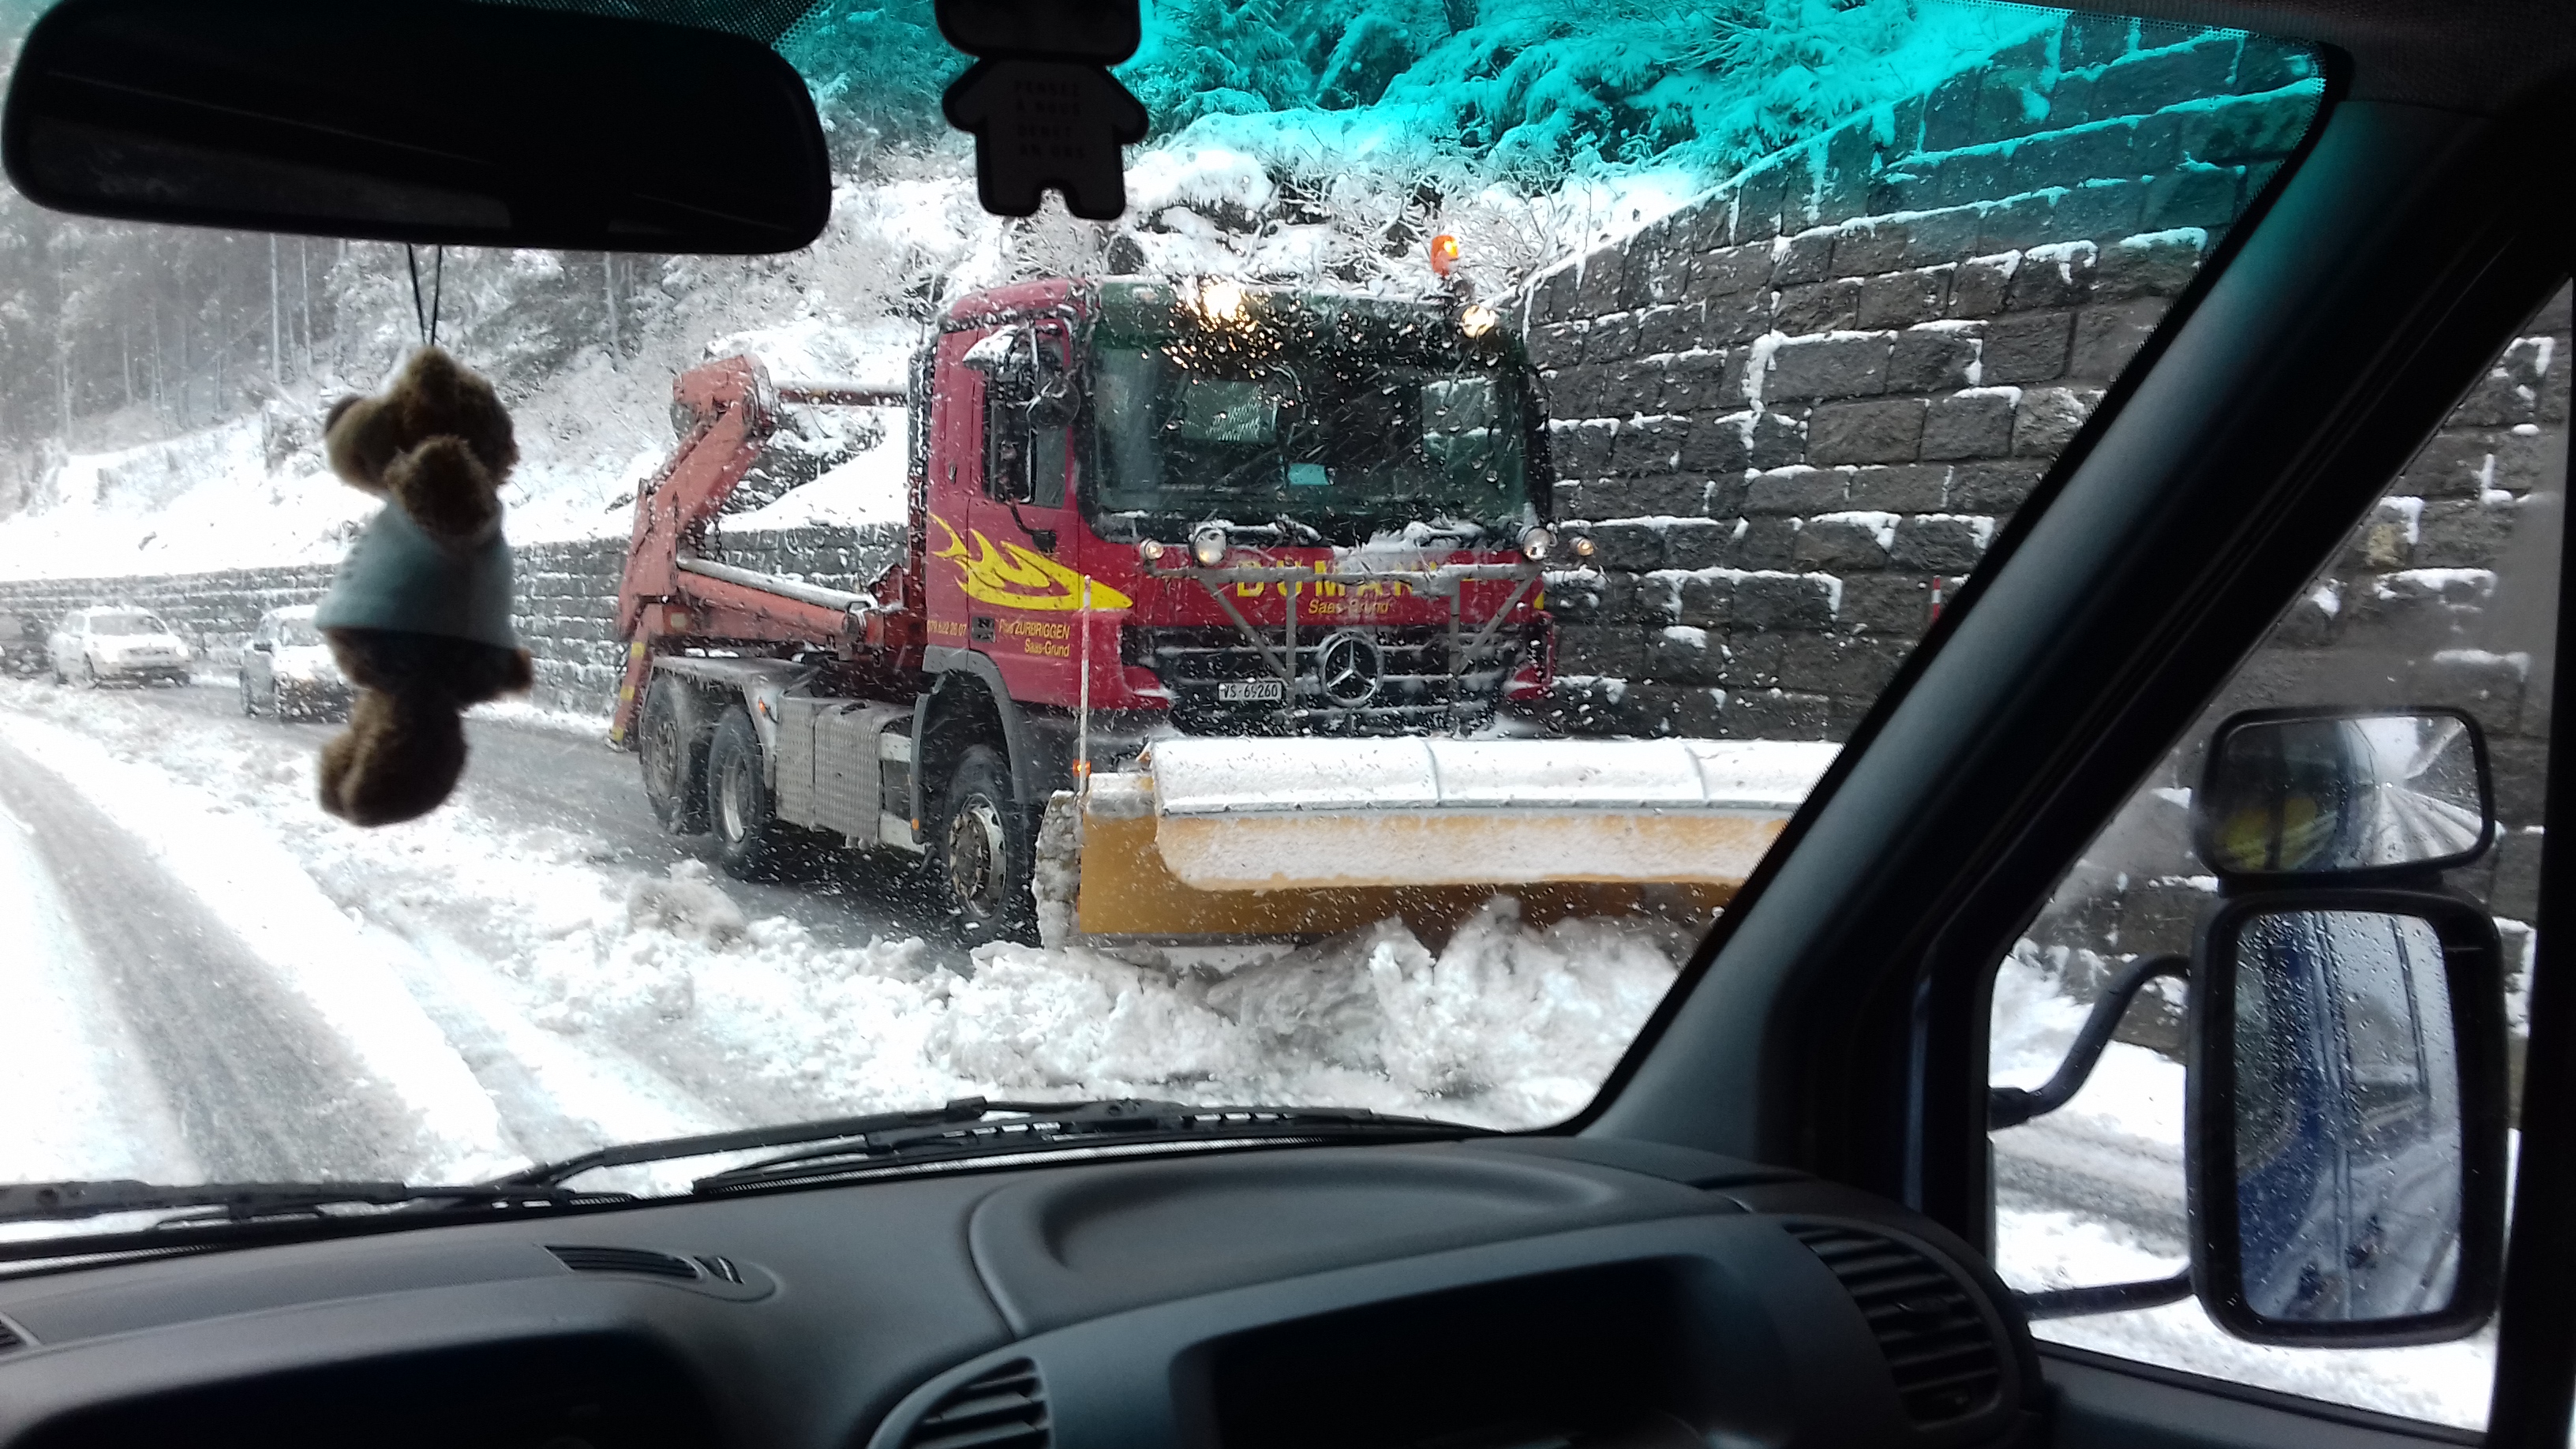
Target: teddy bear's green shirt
399 578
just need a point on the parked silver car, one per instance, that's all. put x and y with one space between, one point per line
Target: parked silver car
287 669
117 642
22 644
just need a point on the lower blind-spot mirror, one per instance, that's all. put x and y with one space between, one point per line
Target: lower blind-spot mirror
2348 1118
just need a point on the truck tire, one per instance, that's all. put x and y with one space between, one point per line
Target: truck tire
739 808
675 763
982 854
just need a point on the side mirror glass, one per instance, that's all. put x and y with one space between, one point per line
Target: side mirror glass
2309 796
2346 1107
417 121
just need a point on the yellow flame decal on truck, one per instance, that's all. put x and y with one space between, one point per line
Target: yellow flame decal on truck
1011 577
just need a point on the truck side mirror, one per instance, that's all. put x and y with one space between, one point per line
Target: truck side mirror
2346 1099
1053 399
997 352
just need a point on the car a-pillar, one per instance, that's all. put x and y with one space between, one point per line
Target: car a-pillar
977 800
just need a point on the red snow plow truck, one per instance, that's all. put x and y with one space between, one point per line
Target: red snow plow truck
1211 614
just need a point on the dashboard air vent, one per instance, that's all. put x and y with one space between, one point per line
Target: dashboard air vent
1943 1356
1004 1409
582 1259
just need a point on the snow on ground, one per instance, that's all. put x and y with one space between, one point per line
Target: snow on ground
67 1062
263 896
2124 1130
203 500
662 1005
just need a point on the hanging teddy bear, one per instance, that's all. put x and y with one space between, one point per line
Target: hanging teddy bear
419 614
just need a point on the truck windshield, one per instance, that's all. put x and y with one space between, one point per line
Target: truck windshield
1344 446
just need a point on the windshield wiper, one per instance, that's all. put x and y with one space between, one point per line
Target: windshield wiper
961 1129
1115 1123
665 1149
62 1201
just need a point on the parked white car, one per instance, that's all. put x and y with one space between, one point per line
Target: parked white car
287 669
117 642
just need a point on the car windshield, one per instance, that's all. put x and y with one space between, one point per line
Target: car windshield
1337 635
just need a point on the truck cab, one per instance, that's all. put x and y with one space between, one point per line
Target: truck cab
1183 452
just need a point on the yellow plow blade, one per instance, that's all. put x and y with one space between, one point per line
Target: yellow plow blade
1217 839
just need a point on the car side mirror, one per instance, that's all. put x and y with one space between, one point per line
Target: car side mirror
2345 1102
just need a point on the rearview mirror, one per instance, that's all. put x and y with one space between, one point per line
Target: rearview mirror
417 121
2346 1110
2353 796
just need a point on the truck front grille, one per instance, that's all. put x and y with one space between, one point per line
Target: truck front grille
1416 690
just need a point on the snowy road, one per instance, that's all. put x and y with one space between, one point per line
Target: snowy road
524 776
259 1087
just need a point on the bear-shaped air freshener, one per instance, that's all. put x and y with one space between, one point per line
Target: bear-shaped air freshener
419 614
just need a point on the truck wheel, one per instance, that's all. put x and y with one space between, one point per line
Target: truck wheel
982 853
675 766
738 804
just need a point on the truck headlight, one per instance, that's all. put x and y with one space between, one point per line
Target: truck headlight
1207 545
1536 542
1221 300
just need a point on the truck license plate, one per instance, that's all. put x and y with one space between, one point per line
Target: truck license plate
1237 691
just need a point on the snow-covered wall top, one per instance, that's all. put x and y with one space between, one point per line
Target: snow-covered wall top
1798 409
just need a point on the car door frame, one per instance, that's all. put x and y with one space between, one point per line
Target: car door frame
1835 1019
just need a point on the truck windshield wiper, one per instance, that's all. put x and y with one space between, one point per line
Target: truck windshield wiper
1116 1124
240 1201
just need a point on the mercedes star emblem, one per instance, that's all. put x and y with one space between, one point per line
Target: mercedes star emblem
1347 665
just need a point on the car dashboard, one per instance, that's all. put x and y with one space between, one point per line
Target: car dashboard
1503 1292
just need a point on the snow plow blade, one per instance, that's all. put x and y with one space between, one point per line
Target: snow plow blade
1215 839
